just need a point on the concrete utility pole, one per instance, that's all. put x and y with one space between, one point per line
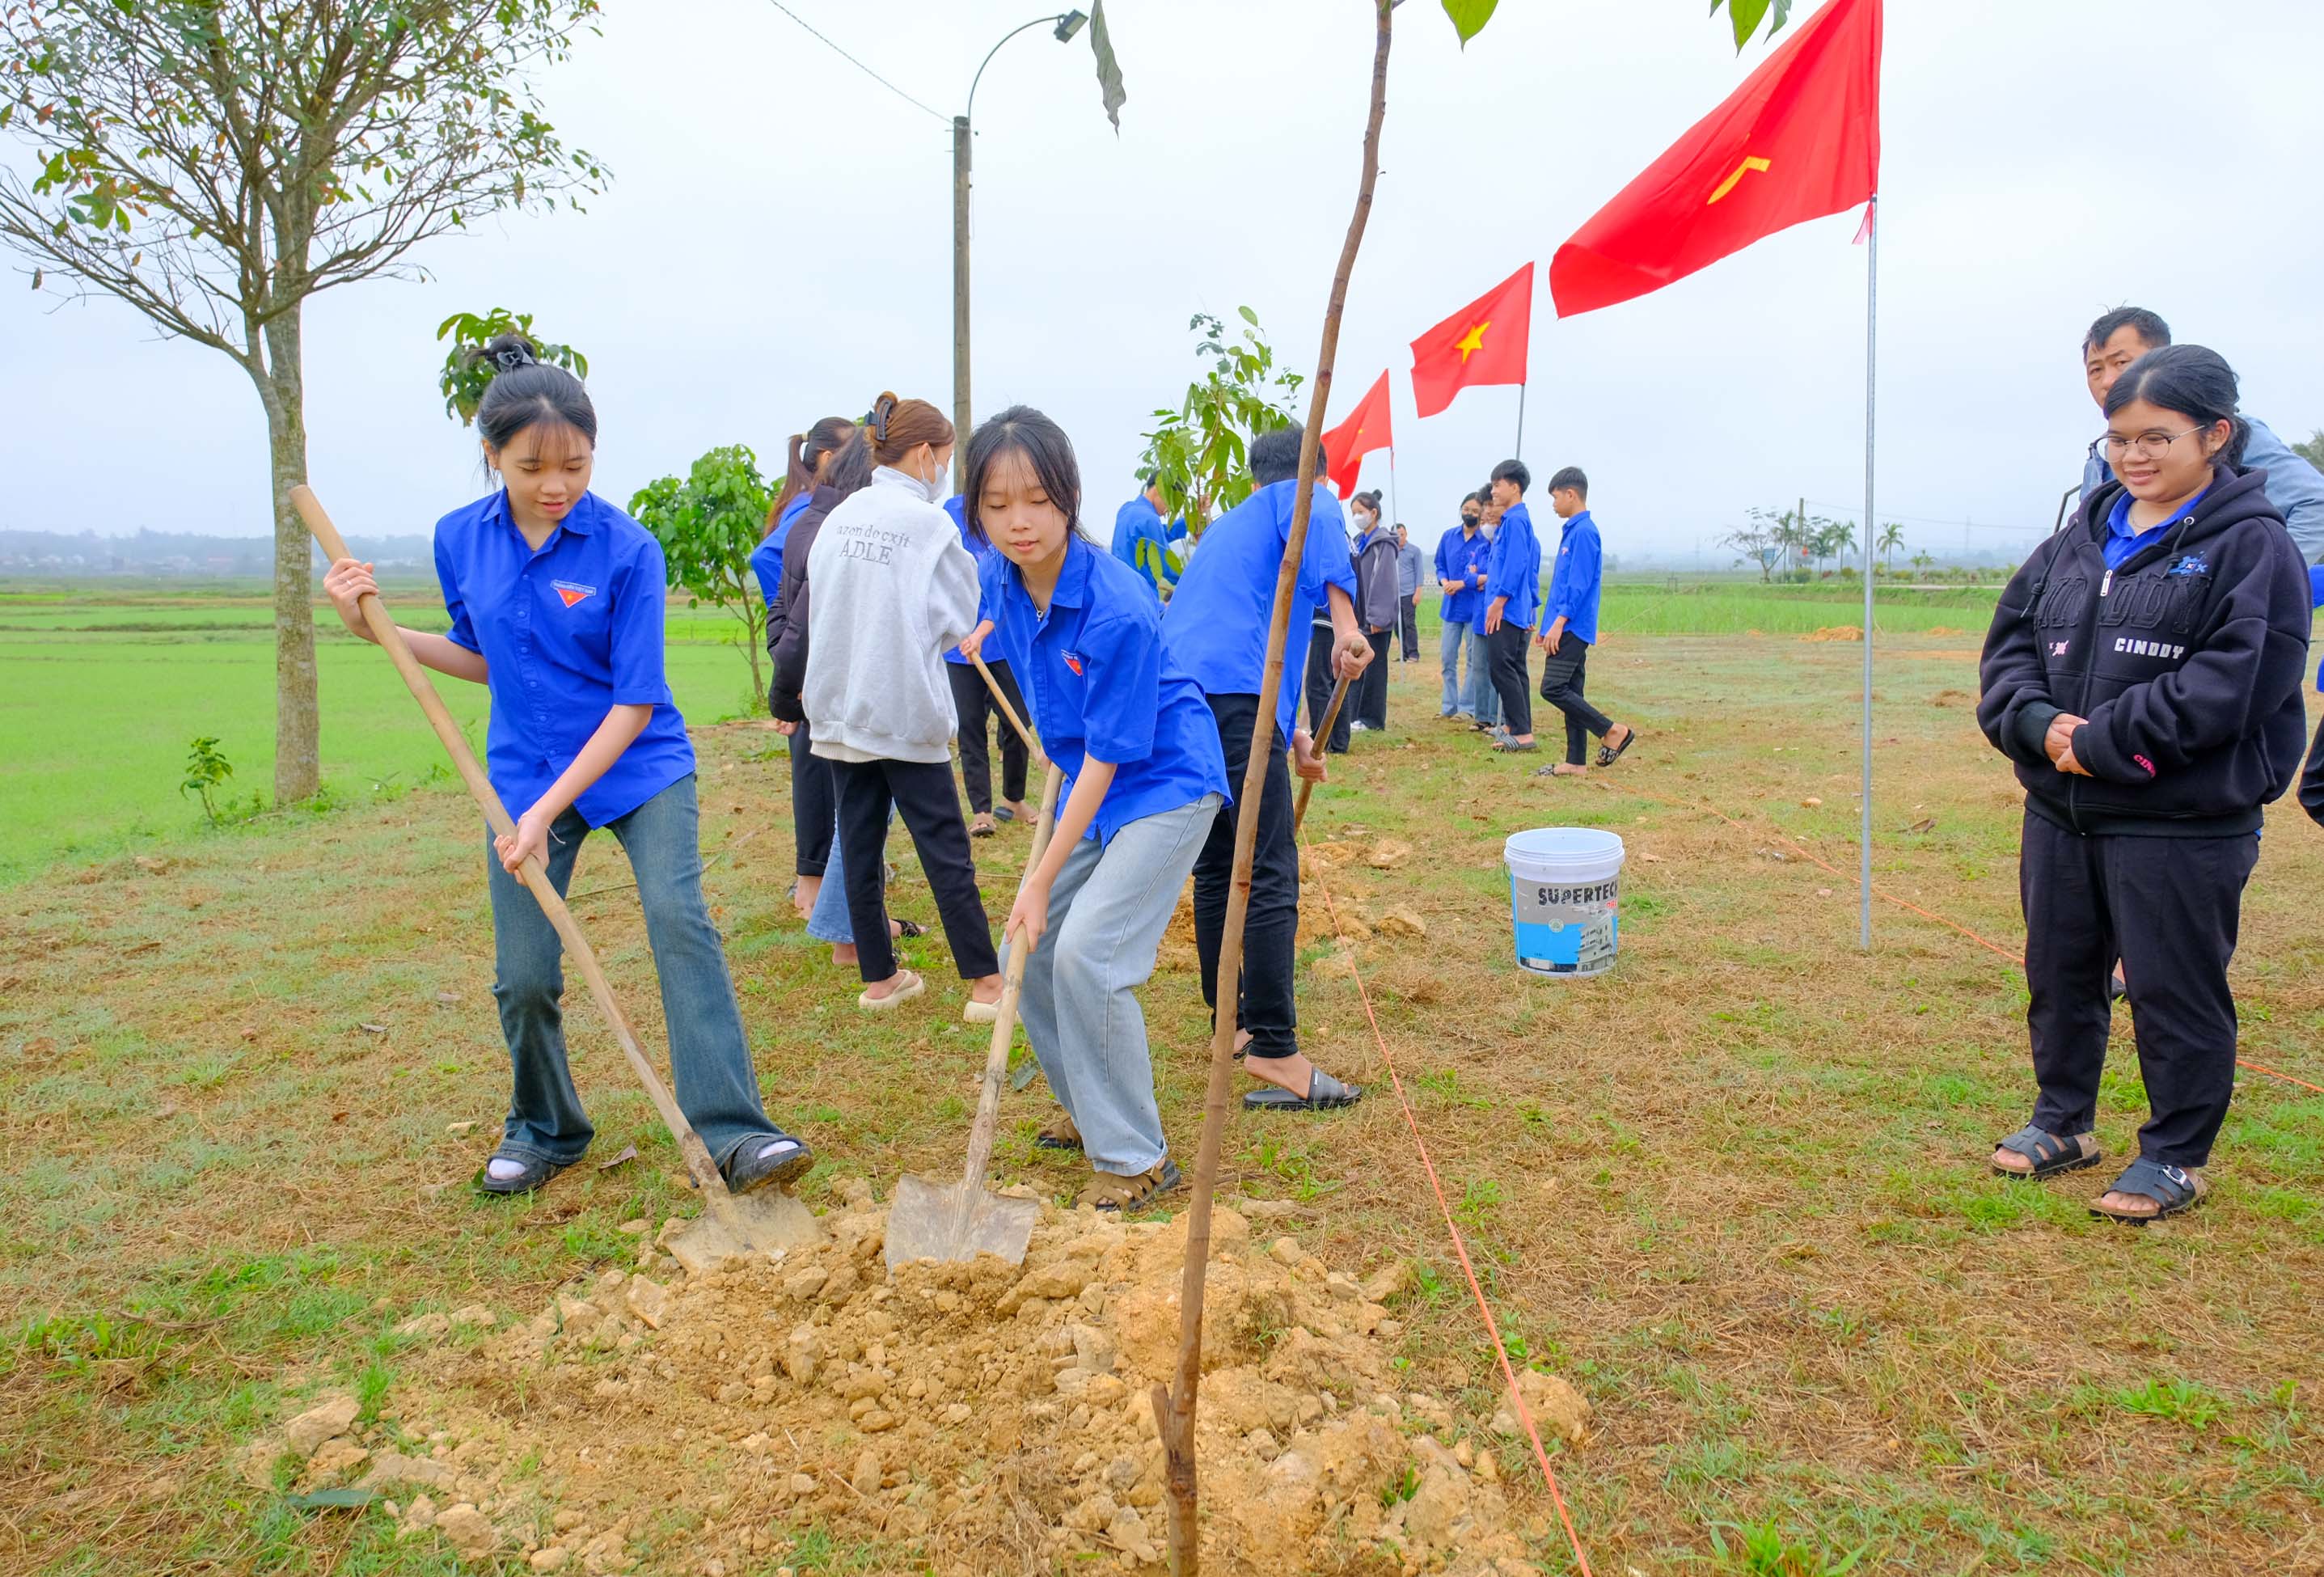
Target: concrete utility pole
1064 25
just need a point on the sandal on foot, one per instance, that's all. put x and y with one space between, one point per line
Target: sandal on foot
1561 770
976 1012
2051 1153
1002 813
1513 746
912 986
764 1159
1111 1191
909 928
1608 755
1058 1134
982 827
536 1174
1324 1094
2171 1188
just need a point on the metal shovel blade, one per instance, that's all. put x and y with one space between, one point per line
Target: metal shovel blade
752 1224
956 1221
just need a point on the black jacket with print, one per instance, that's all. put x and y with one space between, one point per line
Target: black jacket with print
2187 661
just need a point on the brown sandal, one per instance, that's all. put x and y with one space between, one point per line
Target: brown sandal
1111 1191
1059 1133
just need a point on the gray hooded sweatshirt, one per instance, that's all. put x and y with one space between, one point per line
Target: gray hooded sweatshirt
893 588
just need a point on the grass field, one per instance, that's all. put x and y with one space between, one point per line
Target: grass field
1735 1190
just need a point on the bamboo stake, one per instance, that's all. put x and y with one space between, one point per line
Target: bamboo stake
1174 1404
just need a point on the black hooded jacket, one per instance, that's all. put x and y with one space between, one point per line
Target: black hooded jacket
2188 662
786 619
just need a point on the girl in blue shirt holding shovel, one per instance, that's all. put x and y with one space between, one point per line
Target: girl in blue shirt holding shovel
1136 740
556 598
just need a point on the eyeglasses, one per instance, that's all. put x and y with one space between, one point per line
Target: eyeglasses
2152 445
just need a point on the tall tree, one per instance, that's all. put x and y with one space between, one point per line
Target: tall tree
215 166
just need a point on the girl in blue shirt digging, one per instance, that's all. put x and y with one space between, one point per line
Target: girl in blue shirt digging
556 598
1135 737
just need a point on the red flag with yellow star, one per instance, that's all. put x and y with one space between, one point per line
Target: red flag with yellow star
1799 140
1367 429
1483 343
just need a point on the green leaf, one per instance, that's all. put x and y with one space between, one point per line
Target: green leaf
1248 316
1109 70
1469 17
332 1500
1746 15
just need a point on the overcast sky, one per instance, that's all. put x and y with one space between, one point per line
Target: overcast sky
776 248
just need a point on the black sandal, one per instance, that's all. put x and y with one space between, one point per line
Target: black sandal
909 928
2171 1188
1324 1094
536 1174
1609 754
2051 1153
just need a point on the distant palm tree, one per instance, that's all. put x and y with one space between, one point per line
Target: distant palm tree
1838 540
1892 537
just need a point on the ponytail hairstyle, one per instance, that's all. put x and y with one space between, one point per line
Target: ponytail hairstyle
524 393
2192 380
808 451
899 426
1022 430
850 467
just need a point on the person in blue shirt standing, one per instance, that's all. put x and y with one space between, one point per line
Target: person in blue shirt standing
972 701
1485 700
1457 553
556 601
1571 610
2294 486
1142 542
1512 604
1146 780
1216 630
814 806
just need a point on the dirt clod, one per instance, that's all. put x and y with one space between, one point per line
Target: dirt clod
335 1416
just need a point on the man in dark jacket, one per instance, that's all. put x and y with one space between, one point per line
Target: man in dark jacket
2147 687
1375 601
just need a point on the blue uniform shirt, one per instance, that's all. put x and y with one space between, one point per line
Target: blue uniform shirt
1101 683
568 633
1459 556
1573 583
767 558
956 506
1217 623
2125 541
1513 570
1142 542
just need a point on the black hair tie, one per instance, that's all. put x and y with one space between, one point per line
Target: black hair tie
509 358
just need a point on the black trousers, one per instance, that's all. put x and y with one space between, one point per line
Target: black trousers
1411 622
1321 644
1561 686
1270 936
973 703
923 794
1509 646
1370 698
2167 909
815 801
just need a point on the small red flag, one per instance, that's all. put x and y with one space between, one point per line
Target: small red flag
1799 140
1483 343
1367 429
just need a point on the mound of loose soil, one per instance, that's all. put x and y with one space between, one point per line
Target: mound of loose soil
1836 633
967 1418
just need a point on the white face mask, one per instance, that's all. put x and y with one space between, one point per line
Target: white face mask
935 481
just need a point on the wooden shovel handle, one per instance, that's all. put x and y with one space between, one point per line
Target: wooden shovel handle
1322 733
1012 985
1008 711
535 873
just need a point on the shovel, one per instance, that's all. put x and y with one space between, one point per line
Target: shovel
928 1220
760 1223
1323 738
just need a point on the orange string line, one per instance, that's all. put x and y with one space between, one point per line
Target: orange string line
1877 892
1460 1248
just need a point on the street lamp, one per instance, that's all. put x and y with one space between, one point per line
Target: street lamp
1064 27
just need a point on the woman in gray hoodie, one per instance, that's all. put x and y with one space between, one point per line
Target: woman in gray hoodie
894 589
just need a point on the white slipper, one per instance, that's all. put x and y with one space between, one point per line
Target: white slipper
912 987
978 1012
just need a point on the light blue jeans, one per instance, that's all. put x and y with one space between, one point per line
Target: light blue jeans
709 1056
828 922
1484 699
1107 912
1456 697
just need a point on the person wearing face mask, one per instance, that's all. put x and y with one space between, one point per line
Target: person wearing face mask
1376 600
1146 779
1460 558
1485 697
893 587
2143 674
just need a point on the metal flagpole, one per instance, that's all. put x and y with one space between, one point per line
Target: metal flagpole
1871 387
1395 514
1520 451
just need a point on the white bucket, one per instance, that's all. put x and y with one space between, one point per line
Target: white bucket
1565 889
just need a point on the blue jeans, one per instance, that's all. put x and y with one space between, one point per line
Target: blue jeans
829 922
1108 909
709 1056
1456 697
1484 699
